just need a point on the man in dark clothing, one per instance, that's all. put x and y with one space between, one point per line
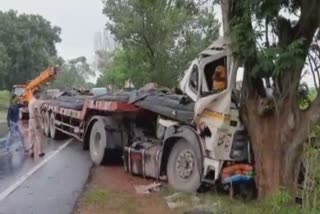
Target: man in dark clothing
13 123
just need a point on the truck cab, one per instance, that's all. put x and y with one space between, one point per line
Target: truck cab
221 135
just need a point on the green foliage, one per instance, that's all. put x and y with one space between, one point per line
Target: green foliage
4 99
73 74
158 37
118 73
273 61
124 66
27 43
310 187
250 43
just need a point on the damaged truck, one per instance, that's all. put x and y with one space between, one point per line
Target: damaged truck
189 138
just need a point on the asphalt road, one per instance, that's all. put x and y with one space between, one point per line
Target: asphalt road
49 185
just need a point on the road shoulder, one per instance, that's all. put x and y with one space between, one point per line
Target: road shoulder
111 190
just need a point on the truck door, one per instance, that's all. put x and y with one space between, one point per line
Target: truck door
190 84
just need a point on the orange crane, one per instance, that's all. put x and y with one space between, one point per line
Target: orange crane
24 91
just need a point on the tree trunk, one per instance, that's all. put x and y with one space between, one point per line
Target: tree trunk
276 160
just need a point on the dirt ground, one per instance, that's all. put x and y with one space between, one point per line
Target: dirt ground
111 190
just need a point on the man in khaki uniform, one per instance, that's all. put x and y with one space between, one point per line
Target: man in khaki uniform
35 126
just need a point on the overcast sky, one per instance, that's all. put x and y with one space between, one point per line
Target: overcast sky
80 20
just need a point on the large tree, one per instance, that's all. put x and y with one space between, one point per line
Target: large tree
159 37
275 41
27 46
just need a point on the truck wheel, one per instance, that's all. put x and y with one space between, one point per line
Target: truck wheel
54 133
98 143
182 168
52 127
46 124
42 121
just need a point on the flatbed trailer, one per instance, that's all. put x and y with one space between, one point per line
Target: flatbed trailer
190 139
74 120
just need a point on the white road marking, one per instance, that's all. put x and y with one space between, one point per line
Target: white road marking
23 178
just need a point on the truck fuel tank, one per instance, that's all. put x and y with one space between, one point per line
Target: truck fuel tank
142 158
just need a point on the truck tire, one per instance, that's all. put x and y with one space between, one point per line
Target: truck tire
54 133
106 141
98 143
182 168
42 121
52 128
46 124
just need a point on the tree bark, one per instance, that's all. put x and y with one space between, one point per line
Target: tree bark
277 141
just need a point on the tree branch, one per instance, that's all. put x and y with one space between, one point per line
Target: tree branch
309 20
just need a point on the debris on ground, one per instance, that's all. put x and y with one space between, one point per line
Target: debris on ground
204 208
173 201
147 189
198 212
180 200
175 205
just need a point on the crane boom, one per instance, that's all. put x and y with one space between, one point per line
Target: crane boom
43 78
24 92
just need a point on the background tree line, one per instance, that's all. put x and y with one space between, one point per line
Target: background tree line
156 39
28 46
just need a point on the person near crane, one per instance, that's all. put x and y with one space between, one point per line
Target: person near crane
13 123
35 126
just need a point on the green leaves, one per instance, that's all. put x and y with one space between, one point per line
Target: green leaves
262 37
158 37
27 42
290 57
273 61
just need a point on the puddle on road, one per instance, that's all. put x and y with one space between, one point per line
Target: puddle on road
12 161
15 164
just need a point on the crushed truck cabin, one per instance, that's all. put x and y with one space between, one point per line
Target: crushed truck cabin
188 139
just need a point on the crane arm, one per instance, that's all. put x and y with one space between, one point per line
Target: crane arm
43 78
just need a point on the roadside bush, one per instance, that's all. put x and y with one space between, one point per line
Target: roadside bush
311 183
309 188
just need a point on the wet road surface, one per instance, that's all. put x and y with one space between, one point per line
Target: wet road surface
49 185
